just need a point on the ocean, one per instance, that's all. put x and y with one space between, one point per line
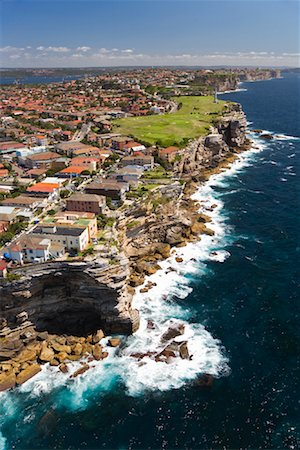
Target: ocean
237 293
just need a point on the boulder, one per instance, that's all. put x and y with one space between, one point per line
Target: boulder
173 331
62 356
28 373
97 336
25 355
97 352
42 336
114 342
74 357
80 371
64 368
206 381
54 362
178 259
47 354
77 349
7 381
183 351
60 347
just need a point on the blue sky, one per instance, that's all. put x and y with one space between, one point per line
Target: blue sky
75 33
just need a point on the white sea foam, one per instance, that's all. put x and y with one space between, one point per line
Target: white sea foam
232 90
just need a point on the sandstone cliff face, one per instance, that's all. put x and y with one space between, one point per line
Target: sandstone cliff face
68 298
228 134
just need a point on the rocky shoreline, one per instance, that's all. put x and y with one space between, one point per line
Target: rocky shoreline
40 312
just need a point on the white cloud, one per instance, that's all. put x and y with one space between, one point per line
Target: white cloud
54 49
62 56
83 49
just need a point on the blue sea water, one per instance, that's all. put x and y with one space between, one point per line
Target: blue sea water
241 310
37 79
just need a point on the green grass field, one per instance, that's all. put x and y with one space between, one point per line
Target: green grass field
192 120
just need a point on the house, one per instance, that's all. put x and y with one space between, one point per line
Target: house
169 154
127 174
45 190
134 147
91 163
118 143
71 148
71 237
108 188
8 213
35 173
86 203
23 201
29 248
145 161
72 171
77 218
42 160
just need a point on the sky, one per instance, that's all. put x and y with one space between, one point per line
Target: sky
95 33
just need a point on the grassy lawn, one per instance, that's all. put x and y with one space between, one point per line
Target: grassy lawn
192 120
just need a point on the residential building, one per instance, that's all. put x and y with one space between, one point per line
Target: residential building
8 213
71 237
29 248
77 218
42 160
86 203
45 190
169 154
108 188
145 161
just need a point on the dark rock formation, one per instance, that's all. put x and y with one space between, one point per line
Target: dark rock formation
73 298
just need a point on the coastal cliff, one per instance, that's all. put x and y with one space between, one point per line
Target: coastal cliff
169 217
57 312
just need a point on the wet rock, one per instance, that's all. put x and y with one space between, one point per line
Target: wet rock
7 381
178 259
206 381
266 136
47 423
64 368
173 331
80 371
114 342
151 325
97 352
183 351
104 355
28 373
144 290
